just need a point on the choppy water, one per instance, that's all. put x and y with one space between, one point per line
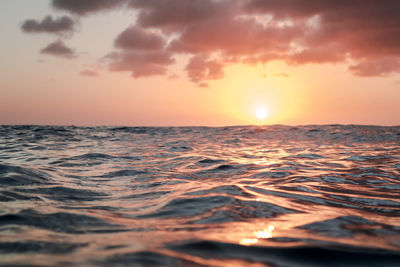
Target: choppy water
197 196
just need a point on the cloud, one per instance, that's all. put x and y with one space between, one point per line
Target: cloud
48 25
299 8
142 52
317 55
300 32
88 73
141 64
135 38
84 7
58 48
361 28
216 33
176 13
201 68
235 37
379 67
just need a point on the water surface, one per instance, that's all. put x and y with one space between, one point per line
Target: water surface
197 196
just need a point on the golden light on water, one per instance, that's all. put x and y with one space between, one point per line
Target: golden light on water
248 241
263 234
267 233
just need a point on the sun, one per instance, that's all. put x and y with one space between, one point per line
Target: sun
261 113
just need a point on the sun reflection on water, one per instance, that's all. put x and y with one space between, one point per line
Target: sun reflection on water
248 241
267 233
263 234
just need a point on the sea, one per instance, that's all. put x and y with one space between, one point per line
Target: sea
314 195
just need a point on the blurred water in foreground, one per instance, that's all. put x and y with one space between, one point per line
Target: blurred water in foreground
197 196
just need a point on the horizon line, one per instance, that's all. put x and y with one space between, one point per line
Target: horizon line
200 126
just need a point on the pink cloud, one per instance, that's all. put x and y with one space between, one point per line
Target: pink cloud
200 68
379 67
141 64
141 52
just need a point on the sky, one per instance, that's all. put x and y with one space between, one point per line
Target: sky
199 62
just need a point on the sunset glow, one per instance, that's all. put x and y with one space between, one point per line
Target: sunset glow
175 63
261 113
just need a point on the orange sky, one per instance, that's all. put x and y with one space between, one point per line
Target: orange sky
180 62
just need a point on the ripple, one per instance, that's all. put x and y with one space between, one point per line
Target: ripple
214 161
146 259
65 194
271 174
309 156
292 256
58 222
225 189
122 173
14 176
348 226
187 207
32 246
6 196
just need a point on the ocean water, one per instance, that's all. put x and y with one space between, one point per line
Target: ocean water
198 196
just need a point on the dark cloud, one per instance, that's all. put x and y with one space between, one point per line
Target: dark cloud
177 13
83 7
89 73
135 38
48 25
141 64
58 48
